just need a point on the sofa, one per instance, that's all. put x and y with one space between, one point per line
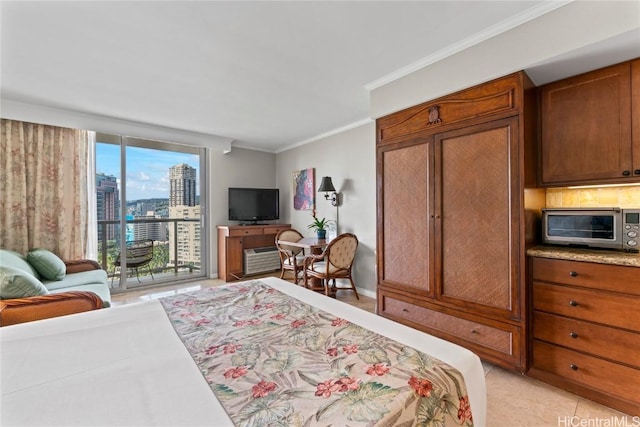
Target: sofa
40 285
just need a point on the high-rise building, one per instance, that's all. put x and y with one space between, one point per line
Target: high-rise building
143 208
182 181
188 236
108 203
185 237
150 230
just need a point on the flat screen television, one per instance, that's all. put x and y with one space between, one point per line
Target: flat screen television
254 204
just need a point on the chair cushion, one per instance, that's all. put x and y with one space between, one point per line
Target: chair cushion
299 261
16 283
13 259
48 264
320 267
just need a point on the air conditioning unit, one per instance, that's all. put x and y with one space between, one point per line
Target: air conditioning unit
261 260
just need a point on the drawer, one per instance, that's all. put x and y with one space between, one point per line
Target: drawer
615 278
584 304
591 372
236 232
274 230
486 336
602 341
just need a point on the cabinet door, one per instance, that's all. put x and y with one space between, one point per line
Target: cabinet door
586 127
405 195
477 218
234 258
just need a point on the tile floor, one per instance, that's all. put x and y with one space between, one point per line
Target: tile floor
513 400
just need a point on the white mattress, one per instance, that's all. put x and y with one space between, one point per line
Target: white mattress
125 366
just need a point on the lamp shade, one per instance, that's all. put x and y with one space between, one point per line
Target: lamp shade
326 185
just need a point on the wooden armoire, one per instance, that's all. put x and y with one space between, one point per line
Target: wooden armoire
452 222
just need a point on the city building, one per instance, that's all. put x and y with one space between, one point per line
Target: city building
184 237
143 208
150 230
182 181
108 204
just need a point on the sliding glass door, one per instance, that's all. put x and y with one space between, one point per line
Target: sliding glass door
150 210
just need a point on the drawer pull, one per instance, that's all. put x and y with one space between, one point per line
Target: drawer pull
473 331
574 367
573 273
573 335
573 303
405 310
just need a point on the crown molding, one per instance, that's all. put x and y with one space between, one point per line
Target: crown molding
336 131
492 31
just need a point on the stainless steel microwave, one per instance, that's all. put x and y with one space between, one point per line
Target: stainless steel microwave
611 228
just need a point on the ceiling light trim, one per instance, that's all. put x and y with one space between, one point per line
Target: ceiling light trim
492 31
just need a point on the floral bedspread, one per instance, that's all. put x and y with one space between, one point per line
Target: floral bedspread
273 360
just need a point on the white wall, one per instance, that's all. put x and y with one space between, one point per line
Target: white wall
238 168
349 158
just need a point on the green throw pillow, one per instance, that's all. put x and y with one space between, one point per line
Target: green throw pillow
47 264
16 283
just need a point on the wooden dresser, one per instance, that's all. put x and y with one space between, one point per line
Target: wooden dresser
586 329
234 239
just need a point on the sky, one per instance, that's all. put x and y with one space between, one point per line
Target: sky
147 169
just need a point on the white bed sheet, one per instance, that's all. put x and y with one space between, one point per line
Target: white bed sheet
126 366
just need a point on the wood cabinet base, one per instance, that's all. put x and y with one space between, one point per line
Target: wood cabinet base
585 334
496 342
623 405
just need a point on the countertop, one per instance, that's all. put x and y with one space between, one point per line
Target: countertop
600 256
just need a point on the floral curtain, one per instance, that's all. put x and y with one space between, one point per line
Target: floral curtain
43 191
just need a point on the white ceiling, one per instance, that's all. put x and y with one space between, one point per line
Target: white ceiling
269 75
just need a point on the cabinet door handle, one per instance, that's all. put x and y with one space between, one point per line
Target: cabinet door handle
573 303
637 171
573 273
574 367
573 335
626 173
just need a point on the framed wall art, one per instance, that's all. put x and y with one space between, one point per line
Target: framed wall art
304 195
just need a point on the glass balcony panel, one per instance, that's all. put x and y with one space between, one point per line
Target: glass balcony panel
163 266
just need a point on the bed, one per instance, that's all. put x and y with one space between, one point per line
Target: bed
150 364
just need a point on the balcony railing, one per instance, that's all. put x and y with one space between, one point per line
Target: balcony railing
163 267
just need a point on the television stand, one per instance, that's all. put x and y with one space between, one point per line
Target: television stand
234 239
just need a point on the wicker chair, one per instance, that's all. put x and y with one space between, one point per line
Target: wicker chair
335 262
291 257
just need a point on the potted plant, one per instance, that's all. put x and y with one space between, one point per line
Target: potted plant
320 226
